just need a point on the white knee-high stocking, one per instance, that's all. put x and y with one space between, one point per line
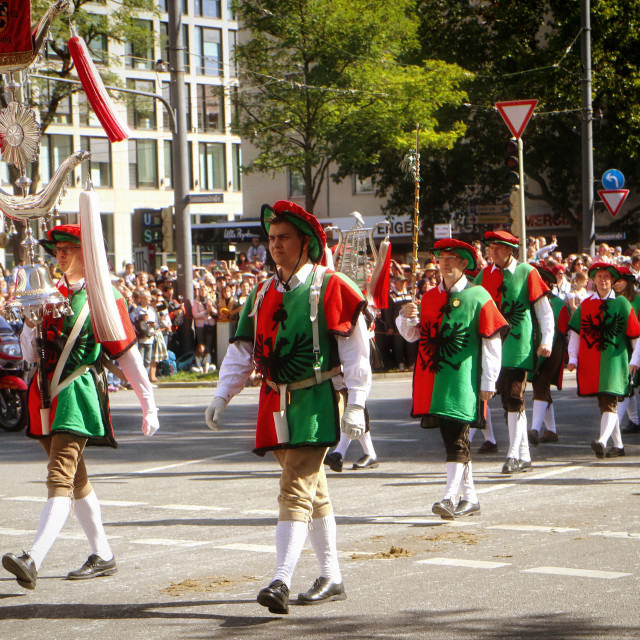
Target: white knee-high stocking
89 516
52 518
323 535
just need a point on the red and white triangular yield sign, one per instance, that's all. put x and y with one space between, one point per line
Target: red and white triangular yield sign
516 114
613 199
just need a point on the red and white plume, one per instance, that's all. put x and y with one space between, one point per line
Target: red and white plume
115 128
378 287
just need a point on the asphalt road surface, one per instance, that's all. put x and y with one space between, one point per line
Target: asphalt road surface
191 518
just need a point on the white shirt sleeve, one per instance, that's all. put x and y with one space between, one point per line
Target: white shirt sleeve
409 333
491 362
356 368
574 347
544 313
235 369
133 368
635 356
28 343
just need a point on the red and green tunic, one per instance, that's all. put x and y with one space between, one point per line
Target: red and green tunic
446 379
515 294
82 406
605 328
283 353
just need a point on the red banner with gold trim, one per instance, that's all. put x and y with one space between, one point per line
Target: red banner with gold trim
16 43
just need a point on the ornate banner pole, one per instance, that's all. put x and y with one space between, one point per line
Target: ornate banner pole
411 165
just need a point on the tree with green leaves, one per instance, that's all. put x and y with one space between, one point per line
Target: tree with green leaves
339 83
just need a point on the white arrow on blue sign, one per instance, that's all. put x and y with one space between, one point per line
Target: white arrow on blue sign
612 179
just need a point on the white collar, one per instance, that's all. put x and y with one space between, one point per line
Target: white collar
457 287
594 296
297 278
511 267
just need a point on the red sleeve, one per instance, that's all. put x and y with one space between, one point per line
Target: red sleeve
537 286
491 320
633 326
343 303
116 348
563 321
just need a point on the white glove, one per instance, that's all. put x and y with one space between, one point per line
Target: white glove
353 422
214 411
150 422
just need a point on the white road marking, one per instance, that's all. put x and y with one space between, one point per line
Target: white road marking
188 462
121 503
471 564
617 534
27 499
240 546
528 477
191 507
531 527
579 573
260 512
4 531
170 542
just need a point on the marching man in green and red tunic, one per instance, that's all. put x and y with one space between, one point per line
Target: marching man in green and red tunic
521 295
460 335
549 370
300 329
604 329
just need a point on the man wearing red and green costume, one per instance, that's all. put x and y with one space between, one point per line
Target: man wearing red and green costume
604 329
300 329
521 295
460 342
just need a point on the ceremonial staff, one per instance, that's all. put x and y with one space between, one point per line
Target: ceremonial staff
411 165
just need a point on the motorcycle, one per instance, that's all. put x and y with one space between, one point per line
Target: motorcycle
13 386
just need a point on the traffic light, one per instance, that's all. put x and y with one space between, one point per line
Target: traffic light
167 230
511 162
514 201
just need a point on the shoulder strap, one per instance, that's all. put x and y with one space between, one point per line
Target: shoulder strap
314 302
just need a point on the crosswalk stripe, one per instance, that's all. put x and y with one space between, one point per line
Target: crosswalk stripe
170 542
26 499
617 534
191 507
531 527
471 564
580 573
121 503
239 546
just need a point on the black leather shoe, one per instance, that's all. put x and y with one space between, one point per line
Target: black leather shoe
275 597
532 434
511 466
615 452
445 509
524 465
488 447
23 568
334 460
94 567
632 427
466 508
323 590
599 448
549 436
366 462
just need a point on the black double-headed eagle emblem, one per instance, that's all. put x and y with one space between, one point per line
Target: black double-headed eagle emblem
286 361
513 312
439 344
601 332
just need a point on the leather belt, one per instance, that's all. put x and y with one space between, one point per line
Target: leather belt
307 382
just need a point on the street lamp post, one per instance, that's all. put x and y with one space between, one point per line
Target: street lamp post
588 223
180 149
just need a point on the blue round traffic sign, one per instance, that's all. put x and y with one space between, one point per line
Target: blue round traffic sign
612 179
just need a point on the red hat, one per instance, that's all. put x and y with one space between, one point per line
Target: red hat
603 266
546 274
464 250
61 233
627 274
304 221
501 237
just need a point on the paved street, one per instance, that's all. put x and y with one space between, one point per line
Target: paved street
191 514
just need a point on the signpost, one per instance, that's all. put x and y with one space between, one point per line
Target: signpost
441 231
516 115
613 199
612 179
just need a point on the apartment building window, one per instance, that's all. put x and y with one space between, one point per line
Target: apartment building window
143 164
208 8
87 115
98 166
164 44
141 111
54 150
99 48
209 51
213 170
236 168
63 112
230 14
233 66
138 55
168 164
296 184
210 107
166 94
362 185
